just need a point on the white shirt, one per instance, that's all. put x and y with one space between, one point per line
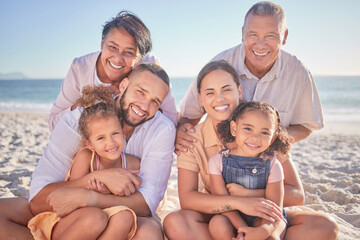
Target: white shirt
288 86
82 73
152 142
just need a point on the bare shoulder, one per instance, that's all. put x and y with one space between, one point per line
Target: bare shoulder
133 163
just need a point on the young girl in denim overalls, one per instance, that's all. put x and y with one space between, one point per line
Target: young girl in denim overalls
252 135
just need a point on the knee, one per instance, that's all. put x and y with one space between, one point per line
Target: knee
123 218
148 229
220 226
94 220
327 225
174 225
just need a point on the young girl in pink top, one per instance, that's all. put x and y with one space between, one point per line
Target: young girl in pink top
103 137
252 134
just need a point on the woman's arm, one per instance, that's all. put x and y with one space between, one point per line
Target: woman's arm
190 198
217 185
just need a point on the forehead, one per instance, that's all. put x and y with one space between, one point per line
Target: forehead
120 37
217 79
258 115
150 83
267 23
99 125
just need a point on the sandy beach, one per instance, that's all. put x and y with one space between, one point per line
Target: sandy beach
328 163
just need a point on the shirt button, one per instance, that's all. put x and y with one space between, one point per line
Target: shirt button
254 171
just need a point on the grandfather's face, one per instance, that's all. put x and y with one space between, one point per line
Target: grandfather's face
142 97
262 43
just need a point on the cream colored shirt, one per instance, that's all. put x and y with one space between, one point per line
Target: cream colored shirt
288 86
196 159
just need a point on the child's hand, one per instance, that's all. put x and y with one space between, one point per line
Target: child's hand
236 190
96 185
252 233
240 236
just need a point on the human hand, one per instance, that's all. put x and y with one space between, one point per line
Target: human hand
252 233
240 236
260 207
236 189
96 185
183 140
283 157
65 200
119 181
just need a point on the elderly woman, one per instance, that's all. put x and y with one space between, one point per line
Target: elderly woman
125 43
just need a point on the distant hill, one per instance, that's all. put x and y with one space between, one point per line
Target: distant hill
12 76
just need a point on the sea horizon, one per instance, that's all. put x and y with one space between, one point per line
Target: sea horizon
339 95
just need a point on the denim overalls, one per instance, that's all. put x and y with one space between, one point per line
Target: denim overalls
250 172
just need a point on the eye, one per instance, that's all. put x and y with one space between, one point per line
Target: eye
100 138
129 54
247 129
209 93
271 37
140 92
112 48
156 103
265 133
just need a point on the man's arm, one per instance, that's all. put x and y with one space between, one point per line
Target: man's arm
298 132
116 179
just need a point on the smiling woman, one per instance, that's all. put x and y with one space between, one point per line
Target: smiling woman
125 43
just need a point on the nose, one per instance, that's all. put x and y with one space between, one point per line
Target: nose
220 97
119 57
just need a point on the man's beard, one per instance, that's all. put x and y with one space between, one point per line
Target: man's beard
124 113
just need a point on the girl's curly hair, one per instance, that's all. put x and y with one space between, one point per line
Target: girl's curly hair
97 102
282 142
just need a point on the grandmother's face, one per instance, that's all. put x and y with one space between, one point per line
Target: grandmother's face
119 54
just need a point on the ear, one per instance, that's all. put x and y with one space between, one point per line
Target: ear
240 92
123 85
242 34
200 100
233 128
274 137
88 145
285 37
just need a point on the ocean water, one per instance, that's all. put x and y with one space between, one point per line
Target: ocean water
339 95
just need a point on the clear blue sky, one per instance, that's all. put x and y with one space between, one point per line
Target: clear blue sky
40 38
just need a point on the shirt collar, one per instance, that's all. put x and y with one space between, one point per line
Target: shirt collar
209 134
271 75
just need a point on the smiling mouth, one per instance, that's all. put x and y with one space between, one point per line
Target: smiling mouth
112 150
137 112
221 108
252 146
115 66
260 54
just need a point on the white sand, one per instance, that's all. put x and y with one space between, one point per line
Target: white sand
328 162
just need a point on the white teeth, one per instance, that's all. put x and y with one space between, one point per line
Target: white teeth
112 150
115 66
137 112
224 107
251 145
260 54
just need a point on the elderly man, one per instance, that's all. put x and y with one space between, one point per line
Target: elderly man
150 136
268 73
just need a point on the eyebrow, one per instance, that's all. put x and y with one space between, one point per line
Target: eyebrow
225 86
250 125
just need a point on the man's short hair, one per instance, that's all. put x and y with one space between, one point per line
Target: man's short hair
154 69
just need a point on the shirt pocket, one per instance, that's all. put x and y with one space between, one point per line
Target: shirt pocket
250 177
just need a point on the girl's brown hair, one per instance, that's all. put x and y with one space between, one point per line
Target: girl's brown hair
97 102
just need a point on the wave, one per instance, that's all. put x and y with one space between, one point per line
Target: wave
26 106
